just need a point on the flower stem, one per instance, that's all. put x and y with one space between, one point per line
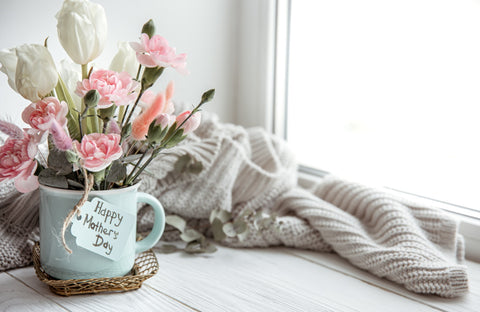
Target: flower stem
84 71
134 106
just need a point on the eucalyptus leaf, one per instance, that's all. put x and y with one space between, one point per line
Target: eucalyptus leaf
117 172
182 163
240 226
190 235
167 249
242 236
229 230
195 168
177 222
217 230
49 177
130 158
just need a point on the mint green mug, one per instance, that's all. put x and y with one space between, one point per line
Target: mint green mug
83 263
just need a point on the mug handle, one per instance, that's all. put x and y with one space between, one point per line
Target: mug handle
158 224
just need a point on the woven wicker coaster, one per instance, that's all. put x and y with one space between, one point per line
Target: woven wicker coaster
146 266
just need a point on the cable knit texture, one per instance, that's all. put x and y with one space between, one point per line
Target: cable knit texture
414 245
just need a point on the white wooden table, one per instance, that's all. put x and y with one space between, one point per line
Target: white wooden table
276 279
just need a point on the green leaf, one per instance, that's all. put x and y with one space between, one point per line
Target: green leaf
190 235
177 138
57 160
240 226
99 176
167 249
177 222
126 130
217 230
74 184
220 214
182 162
202 246
117 172
72 116
229 230
195 168
130 158
49 177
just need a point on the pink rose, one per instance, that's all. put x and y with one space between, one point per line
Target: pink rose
41 114
191 124
17 161
155 51
114 88
98 150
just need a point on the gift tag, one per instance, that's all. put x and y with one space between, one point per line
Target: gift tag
103 228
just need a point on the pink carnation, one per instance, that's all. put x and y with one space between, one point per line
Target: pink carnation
191 124
41 114
114 88
155 51
17 161
98 150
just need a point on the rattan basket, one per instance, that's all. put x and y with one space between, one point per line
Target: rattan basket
146 266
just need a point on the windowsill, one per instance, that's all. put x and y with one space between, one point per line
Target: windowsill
468 227
273 279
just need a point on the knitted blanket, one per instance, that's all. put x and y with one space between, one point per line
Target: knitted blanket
248 169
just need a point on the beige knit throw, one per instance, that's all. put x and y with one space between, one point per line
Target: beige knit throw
414 245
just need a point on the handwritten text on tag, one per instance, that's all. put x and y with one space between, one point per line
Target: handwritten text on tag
103 228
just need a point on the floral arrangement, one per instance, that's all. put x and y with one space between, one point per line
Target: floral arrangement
103 126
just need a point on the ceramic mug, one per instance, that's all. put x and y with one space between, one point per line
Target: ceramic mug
55 204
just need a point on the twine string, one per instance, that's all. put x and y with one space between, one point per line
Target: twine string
76 210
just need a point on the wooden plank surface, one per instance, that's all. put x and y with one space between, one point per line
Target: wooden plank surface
15 296
470 302
275 279
143 299
268 280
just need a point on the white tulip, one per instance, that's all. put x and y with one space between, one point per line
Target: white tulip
82 29
125 60
8 59
35 74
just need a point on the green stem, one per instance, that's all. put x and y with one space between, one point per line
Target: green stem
84 71
149 160
134 106
127 179
138 72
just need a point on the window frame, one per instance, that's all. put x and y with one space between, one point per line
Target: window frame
275 43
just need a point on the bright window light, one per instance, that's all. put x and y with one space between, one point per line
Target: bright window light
389 91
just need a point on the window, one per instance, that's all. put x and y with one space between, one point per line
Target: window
388 91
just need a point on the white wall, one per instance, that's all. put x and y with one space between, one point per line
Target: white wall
207 30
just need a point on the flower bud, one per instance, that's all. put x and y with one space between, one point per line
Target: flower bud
208 96
82 29
148 28
91 98
35 73
150 75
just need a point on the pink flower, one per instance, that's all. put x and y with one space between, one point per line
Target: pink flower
114 88
191 124
165 120
98 150
60 137
41 114
17 161
142 122
155 51
148 97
